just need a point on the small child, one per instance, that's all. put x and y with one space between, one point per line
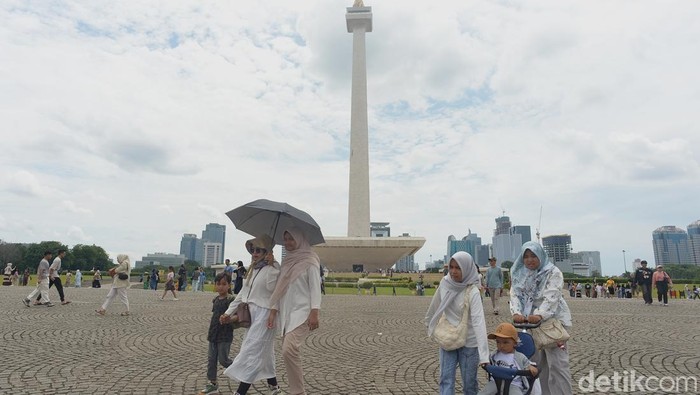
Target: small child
220 335
506 337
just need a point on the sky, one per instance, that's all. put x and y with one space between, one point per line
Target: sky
127 124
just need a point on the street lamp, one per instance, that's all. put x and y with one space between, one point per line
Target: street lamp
624 261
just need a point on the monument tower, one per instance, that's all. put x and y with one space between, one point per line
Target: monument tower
359 22
358 251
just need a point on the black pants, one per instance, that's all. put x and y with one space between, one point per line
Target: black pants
646 293
662 290
59 287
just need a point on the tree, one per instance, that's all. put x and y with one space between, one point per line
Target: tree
35 251
10 252
86 257
506 264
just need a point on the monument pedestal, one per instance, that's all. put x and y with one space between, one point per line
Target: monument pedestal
373 253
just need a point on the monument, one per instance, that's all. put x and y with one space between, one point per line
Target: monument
358 251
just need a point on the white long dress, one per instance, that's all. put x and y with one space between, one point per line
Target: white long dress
256 359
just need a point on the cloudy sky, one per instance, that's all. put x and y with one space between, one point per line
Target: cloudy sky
126 124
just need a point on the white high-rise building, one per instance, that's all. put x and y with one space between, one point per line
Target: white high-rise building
211 254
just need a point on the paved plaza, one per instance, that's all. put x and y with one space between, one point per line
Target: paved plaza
365 344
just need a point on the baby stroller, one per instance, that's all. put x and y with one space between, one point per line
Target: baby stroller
503 376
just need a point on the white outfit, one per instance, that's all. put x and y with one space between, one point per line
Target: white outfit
54 268
119 287
256 359
476 326
301 297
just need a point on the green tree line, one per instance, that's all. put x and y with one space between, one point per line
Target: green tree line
83 257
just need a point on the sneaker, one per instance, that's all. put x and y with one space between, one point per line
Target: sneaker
665 304
210 389
65 302
275 390
176 299
26 302
49 304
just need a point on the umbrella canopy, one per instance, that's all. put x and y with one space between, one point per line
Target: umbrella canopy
273 218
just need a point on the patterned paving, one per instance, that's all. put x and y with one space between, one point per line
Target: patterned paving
366 344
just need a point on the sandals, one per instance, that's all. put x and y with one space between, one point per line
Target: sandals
124 313
100 312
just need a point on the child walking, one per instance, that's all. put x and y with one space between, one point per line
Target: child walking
170 283
220 335
506 337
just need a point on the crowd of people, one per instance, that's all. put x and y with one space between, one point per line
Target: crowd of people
269 298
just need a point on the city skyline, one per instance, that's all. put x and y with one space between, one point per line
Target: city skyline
127 126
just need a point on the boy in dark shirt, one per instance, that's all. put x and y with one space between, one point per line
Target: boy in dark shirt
220 335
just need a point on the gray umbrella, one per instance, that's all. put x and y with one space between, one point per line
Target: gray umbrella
273 218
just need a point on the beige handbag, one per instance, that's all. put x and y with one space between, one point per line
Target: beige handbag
451 337
549 333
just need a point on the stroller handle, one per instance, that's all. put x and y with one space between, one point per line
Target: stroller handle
527 325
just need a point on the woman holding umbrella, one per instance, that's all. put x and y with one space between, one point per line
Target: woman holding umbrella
297 297
256 359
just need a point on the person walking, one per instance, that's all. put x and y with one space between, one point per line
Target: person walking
536 295
297 298
241 273
55 276
203 279
494 283
153 281
642 277
120 283
461 285
42 282
69 277
231 271
220 334
195 280
661 281
170 283
25 277
256 359
78 278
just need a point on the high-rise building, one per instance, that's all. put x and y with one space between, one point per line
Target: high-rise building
211 254
671 245
454 245
506 247
694 242
524 232
558 247
215 233
188 246
503 226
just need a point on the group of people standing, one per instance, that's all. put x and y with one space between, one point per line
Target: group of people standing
279 298
535 296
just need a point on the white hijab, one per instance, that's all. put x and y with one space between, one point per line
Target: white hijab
470 276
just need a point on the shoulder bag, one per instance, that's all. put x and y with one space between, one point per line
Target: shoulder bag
549 333
243 310
451 337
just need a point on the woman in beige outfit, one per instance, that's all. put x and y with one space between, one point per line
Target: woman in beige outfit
119 285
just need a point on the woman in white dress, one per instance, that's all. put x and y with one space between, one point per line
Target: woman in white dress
256 359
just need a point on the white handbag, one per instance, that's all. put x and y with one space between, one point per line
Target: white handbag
451 337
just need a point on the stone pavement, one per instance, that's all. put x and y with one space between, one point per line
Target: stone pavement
365 344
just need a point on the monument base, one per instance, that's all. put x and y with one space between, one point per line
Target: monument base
347 254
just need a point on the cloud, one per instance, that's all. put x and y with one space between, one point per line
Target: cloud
587 109
73 208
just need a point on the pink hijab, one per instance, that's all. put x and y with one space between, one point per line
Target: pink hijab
294 264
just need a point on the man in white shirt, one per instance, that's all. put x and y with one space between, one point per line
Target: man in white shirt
42 282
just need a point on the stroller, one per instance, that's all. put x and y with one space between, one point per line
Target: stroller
503 376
